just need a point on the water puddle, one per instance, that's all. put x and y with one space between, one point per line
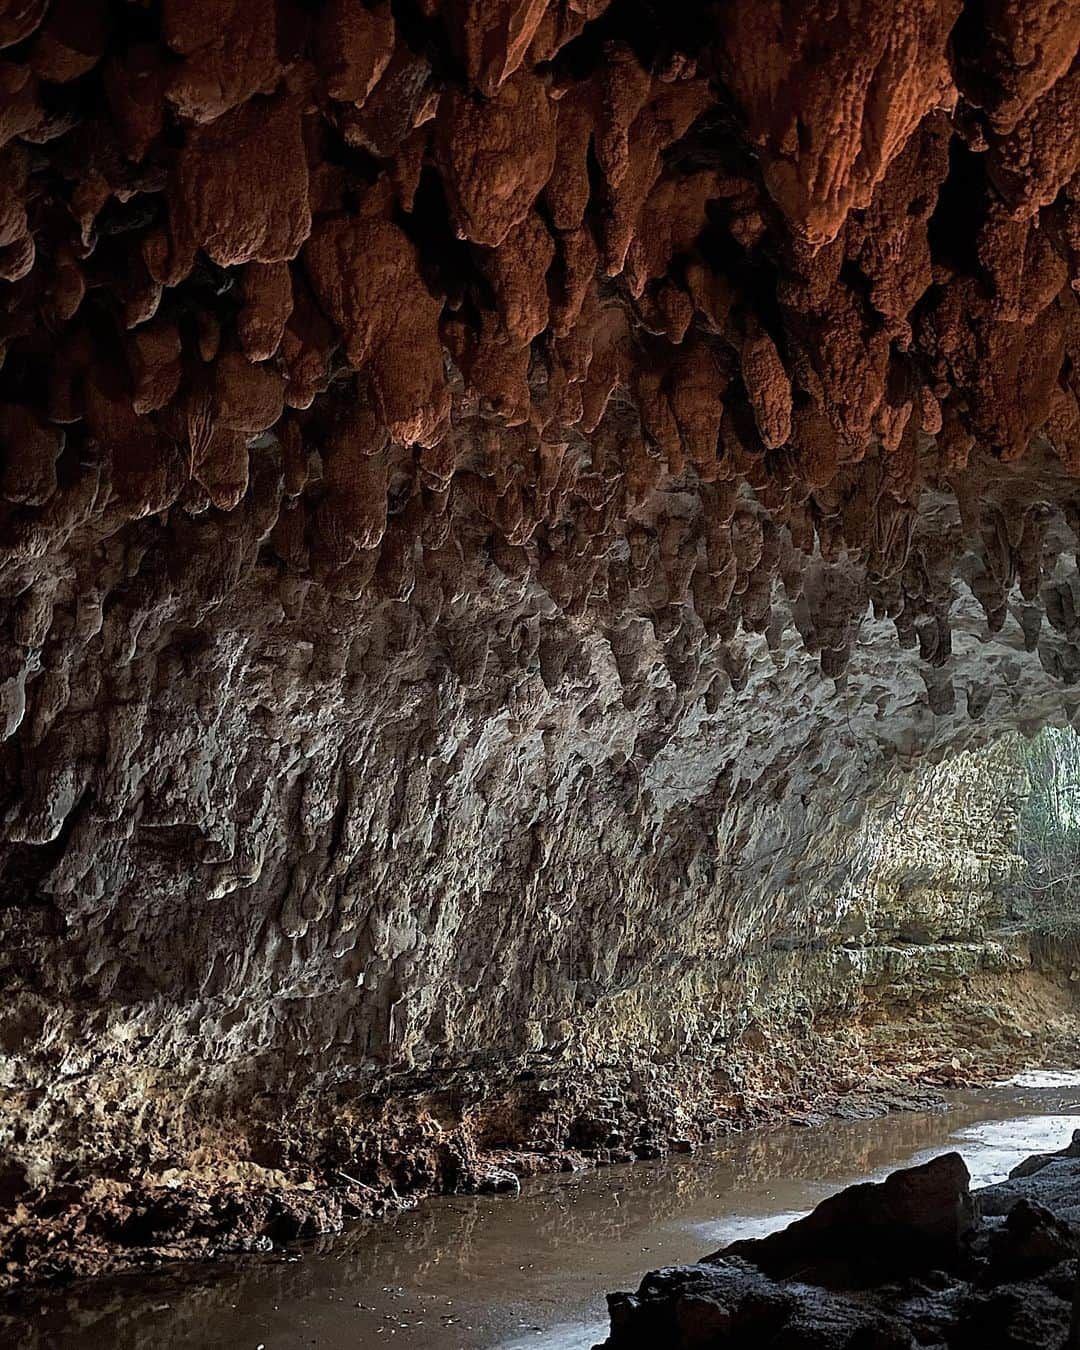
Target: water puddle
498 1273
1044 1078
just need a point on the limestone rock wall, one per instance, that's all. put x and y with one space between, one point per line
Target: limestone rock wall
940 861
898 962
488 496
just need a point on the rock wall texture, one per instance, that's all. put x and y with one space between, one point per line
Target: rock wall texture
918 975
489 494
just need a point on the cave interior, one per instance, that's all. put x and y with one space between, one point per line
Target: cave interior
537 557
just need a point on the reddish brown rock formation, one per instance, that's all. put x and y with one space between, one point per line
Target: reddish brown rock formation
477 479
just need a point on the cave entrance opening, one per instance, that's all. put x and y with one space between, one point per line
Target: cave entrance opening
1047 889
940 937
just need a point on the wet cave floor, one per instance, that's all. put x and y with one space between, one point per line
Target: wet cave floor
501 1273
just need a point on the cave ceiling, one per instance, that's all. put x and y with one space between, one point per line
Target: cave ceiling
527 426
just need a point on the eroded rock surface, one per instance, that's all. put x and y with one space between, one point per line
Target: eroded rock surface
490 495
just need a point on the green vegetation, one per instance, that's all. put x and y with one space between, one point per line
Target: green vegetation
1048 888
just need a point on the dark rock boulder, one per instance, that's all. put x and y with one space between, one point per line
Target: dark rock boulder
1056 1185
738 1308
915 1220
915 1260
1030 1242
1014 1317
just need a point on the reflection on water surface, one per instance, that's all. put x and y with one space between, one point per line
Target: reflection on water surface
495 1273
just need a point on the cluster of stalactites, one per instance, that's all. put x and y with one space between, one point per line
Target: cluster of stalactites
587 281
